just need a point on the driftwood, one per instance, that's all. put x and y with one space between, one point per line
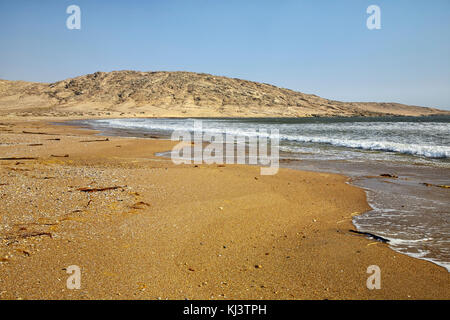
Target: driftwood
388 175
30 132
19 158
56 156
371 235
436 185
100 189
101 140
35 144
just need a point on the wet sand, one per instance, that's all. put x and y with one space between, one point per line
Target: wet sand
174 232
410 203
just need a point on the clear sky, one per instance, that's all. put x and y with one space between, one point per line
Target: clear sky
313 46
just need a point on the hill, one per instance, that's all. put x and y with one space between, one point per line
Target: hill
177 94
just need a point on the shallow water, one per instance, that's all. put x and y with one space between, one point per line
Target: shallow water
414 217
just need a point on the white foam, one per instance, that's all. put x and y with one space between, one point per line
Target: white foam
414 138
396 242
413 149
421 254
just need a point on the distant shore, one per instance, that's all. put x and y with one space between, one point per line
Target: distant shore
140 227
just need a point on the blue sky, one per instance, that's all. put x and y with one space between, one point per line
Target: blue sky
314 46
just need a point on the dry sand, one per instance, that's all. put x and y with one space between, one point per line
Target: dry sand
176 232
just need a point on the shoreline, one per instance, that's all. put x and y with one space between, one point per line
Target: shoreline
372 183
371 172
293 236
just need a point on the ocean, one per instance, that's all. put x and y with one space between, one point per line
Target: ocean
409 209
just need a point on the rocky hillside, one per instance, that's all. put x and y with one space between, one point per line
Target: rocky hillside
132 93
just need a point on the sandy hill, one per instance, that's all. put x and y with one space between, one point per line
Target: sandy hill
177 94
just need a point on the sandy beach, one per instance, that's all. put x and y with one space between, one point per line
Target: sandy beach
140 227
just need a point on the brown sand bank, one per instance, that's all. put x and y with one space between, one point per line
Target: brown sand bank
167 231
